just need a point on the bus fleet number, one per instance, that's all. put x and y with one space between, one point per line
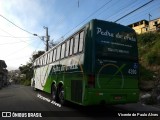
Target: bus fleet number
132 71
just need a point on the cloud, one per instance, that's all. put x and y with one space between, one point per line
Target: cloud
25 14
30 15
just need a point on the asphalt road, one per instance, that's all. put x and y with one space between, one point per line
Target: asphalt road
22 99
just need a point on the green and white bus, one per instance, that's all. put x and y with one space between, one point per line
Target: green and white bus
97 64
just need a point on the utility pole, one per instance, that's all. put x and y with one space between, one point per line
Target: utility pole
42 38
47 38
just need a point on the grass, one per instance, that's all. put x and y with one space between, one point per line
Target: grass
149 57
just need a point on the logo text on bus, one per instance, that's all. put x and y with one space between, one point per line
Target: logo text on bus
116 35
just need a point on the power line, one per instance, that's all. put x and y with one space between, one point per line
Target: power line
11 35
15 24
11 43
61 20
6 32
25 47
15 52
151 8
111 6
134 10
26 56
120 11
88 17
16 37
110 16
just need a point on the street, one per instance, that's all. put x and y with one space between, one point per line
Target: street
20 99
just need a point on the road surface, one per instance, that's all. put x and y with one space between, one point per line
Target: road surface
22 99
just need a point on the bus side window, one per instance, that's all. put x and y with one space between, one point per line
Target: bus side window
47 57
67 48
51 54
38 61
81 41
41 60
44 59
71 47
63 50
58 52
76 40
35 63
54 55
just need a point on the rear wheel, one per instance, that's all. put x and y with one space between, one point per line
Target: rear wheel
62 101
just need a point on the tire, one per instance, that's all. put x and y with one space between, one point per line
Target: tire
54 93
62 101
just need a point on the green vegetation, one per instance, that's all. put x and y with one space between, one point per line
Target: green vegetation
149 57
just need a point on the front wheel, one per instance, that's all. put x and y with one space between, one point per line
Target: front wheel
33 86
62 101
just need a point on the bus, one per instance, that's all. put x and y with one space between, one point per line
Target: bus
98 64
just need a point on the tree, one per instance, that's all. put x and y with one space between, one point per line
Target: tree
36 55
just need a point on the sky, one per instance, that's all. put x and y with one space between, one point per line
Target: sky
62 17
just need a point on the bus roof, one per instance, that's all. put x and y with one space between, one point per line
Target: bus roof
93 20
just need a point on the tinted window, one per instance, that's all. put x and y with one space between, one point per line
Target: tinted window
63 51
58 53
81 41
76 43
45 59
41 60
35 63
51 56
121 44
38 61
71 47
48 56
67 48
54 55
